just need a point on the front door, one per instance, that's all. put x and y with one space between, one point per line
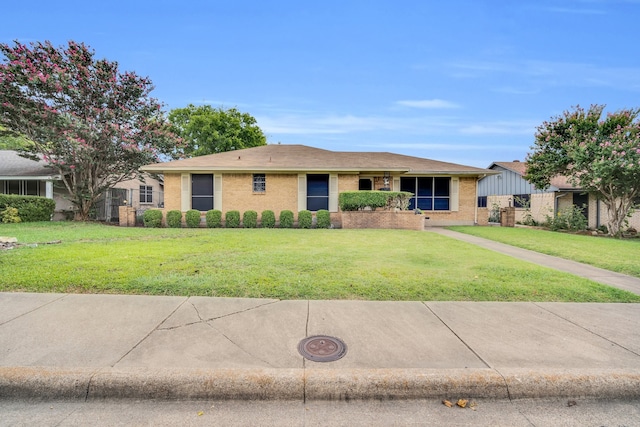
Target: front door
581 200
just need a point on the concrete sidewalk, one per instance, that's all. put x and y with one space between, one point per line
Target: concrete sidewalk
110 346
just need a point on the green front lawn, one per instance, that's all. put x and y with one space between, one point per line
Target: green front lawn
620 255
274 263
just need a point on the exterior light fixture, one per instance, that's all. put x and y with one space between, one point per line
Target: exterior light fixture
386 179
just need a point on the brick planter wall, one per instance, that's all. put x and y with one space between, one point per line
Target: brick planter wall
127 216
406 220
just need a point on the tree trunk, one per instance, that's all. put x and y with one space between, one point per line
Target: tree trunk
617 210
82 213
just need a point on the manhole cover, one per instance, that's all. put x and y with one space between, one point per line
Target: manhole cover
322 348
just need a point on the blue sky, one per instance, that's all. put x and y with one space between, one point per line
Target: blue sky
459 81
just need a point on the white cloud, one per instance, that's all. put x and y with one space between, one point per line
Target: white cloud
415 126
516 127
549 73
428 104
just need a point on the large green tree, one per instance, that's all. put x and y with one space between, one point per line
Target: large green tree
10 141
208 130
92 123
600 155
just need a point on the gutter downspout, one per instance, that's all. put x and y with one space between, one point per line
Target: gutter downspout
475 212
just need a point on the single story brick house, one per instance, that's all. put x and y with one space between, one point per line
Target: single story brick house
510 188
296 177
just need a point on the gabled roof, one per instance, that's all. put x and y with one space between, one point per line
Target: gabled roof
560 182
12 166
292 158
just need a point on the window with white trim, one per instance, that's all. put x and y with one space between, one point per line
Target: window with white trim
21 187
146 194
259 183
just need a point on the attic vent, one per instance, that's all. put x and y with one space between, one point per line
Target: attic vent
515 161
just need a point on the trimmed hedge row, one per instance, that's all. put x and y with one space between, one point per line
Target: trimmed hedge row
358 200
213 219
30 208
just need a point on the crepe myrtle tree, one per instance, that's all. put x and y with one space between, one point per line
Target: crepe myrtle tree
93 124
600 155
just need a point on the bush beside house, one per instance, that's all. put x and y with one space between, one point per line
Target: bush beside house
268 219
250 219
192 218
232 219
152 218
286 219
305 219
174 219
323 219
213 218
30 208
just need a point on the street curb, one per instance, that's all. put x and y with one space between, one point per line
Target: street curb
312 384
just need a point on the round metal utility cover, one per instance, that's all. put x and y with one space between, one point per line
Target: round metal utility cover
322 348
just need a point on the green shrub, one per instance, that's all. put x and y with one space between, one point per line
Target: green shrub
358 200
305 219
192 218
268 219
323 219
174 219
214 218
30 208
570 218
286 219
10 215
152 218
232 219
250 219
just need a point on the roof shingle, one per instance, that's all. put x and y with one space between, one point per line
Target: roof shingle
283 157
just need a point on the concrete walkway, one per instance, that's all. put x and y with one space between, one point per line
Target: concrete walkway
621 281
85 347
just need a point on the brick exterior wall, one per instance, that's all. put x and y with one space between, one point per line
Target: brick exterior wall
172 191
467 203
483 216
348 183
406 220
282 193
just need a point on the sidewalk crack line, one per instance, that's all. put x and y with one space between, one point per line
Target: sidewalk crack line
150 332
506 384
586 329
457 336
35 309
203 320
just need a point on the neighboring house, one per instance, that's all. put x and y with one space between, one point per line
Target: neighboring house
32 178
297 177
139 194
510 188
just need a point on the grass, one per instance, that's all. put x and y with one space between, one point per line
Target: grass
275 263
619 255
